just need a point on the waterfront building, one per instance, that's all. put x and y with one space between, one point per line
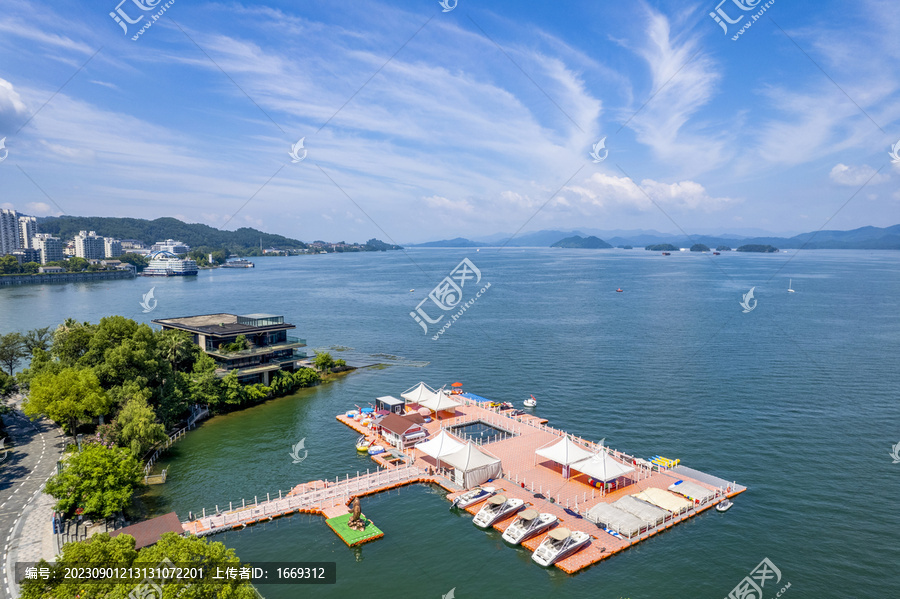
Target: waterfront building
27 230
51 269
50 248
24 255
9 231
170 245
89 245
269 350
133 244
167 264
112 248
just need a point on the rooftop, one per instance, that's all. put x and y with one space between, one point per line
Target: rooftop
224 324
148 532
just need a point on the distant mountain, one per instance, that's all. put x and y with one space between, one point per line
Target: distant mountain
458 242
587 243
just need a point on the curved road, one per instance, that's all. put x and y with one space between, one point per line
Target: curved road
36 447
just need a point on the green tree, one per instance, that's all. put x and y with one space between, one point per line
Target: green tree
9 265
232 390
76 264
38 339
12 349
306 377
30 268
323 361
71 341
99 479
7 385
137 427
177 347
340 363
203 385
138 261
41 361
67 397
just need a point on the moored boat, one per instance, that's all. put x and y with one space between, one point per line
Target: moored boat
497 508
530 402
559 544
362 444
240 263
528 524
724 505
472 497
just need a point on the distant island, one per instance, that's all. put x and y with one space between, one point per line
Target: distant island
723 248
578 242
699 247
765 249
662 247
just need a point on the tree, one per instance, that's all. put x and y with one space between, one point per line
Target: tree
136 260
9 265
203 385
306 377
38 339
76 264
7 384
176 346
99 479
30 268
67 397
71 341
340 363
12 349
137 427
232 390
323 361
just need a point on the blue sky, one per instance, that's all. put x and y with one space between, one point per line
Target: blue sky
482 121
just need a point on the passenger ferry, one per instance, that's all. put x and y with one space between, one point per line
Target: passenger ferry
241 263
167 264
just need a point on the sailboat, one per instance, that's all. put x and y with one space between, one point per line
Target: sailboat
790 286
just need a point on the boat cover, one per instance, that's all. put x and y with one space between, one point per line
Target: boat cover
565 452
440 445
665 500
602 466
692 491
473 465
615 519
650 514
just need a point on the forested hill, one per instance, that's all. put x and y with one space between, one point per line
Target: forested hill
150 231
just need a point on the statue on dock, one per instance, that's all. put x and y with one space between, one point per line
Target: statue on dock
356 521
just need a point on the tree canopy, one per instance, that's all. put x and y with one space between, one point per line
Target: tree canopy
67 397
99 479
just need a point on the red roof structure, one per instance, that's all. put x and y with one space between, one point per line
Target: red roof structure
148 532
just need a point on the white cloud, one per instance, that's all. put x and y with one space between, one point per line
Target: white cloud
609 192
41 209
856 175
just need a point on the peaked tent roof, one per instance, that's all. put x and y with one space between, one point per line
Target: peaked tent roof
469 457
441 445
564 452
440 401
418 393
602 466
664 499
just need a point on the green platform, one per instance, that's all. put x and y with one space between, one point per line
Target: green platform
354 537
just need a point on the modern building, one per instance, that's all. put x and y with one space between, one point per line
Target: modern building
133 244
89 245
27 230
269 348
24 255
112 248
51 248
167 264
9 231
170 245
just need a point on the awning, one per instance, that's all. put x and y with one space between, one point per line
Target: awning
440 401
664 499
615 519
418 393
650 514
692 491
474 464
602 466
441 445
564 452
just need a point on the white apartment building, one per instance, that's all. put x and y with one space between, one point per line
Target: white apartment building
89 246
51 248
9 231
27 230
112 248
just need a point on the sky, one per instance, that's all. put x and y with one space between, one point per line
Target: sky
421 121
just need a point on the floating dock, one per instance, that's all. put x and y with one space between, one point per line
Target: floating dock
539 482
351 536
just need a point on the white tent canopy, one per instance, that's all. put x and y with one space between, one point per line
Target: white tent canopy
615 519
692 491
439 401
565 452
650 514
473 466
418 393
602 466
664 499
441 445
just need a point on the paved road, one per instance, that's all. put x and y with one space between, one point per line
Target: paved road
30 462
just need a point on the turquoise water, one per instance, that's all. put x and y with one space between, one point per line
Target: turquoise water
796 399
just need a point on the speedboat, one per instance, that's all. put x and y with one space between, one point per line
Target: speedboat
375 450
619 290
528 524
472 497
362 444
724 505
497 508
667 253
530 402
560 543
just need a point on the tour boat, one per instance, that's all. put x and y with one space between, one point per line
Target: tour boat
724 505
497 508
667 253
241 263
528 524
791 286
560 543
716 253
472 497
619 290
530 403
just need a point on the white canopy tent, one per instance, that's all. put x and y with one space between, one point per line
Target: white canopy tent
440 401
602 466
615 519
473 466
692 491
650 514
565 452
665 500
418 393
440 445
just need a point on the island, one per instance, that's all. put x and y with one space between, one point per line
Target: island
753 247
723 248
584 243
662 247
699 247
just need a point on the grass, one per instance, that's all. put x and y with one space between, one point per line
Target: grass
354 537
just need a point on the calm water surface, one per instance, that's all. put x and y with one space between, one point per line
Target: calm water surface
796 399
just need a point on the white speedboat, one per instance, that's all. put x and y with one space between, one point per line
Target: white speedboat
530 402
497 508
472 497
724 505
528 524
560 543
